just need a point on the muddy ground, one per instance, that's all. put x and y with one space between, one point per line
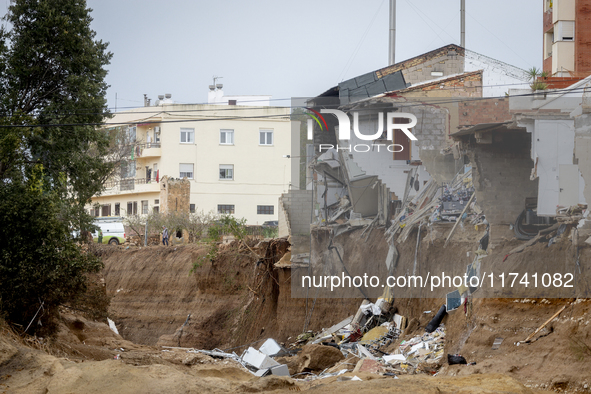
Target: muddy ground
240 298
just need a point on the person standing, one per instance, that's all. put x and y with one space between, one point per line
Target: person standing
164 236
100 236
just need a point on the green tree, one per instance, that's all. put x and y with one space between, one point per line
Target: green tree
52 97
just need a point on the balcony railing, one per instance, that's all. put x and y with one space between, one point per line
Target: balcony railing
128 183
149 145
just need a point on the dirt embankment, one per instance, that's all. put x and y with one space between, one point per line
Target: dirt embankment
234 300
240 298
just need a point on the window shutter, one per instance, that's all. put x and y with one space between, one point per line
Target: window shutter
565 31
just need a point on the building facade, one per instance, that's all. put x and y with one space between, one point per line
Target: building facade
567 39
233 157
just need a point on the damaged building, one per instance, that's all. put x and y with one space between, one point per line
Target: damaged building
472 163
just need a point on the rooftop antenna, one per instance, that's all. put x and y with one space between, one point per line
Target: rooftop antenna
392 41
463 23
219 85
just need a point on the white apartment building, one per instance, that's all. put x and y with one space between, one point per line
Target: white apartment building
233 156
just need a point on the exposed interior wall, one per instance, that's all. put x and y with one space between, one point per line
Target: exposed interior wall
553 149
492 110
501 174
298 212
284 224
583 151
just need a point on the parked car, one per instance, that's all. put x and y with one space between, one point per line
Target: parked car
270 224
112 228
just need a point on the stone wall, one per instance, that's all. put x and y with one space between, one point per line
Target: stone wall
175 195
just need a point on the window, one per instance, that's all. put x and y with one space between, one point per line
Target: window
186 170
106 210
187 136
132 208
144 207
265 209
117 209
192 208
227 171
227 209
96 211
565 31
227 137
156 201
266 137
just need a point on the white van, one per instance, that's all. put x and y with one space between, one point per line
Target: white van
112 228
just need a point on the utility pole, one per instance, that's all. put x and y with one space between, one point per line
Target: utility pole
146 234
463 23
392 41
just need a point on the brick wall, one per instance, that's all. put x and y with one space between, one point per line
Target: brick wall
547 65
501 172
448 59
484 111
583 36
465 85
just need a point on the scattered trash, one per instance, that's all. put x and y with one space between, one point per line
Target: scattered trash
453 300
271 348
436 321
112 325
455 359
394 357
257 359
497 343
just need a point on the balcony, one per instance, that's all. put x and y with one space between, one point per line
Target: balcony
547 21
151 149
131 185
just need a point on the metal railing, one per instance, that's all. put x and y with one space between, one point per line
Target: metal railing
129 183
149 145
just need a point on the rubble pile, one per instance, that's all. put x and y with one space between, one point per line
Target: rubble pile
419 354
452 202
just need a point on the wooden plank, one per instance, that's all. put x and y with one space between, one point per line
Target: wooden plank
459 219
543 325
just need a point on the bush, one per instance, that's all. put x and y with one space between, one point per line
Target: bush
40 261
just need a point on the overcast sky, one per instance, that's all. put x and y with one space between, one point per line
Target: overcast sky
286 49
